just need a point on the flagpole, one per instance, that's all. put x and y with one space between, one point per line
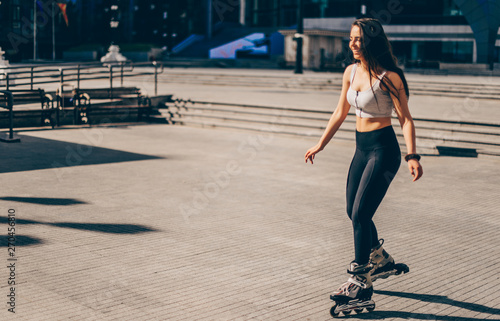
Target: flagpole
34 29
53 33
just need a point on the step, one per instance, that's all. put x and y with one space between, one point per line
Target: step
426 138
259 127
312 113
311 122
448 89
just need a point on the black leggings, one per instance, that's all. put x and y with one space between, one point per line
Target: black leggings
375 163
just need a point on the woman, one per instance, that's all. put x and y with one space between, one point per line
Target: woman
374 86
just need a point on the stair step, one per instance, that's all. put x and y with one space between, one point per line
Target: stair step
334 82
485 138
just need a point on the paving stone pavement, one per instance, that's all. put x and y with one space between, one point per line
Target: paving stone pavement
161 222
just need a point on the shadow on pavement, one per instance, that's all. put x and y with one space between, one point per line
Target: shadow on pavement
441 299
23 240
379 314
382 315
97 227
106 228
35 153
43 200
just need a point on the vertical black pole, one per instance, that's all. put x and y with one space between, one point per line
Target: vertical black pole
209 19
78 77
10 104
32 68
156 78
121 73
299 37
111 81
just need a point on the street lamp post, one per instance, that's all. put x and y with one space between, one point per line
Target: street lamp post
299 38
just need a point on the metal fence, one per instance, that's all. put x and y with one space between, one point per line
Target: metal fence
36 75
7 104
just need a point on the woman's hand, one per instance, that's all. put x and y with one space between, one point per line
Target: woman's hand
415 169
312 152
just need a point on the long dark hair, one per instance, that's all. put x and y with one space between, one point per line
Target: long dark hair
377 52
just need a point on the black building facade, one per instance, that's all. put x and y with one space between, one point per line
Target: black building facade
440 30
283 13
435 30
94 23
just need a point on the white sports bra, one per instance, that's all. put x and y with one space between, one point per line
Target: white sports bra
368 103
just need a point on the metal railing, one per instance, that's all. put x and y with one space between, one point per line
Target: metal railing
33 76
48 74
9 104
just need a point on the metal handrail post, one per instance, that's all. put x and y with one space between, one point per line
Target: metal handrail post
111 81
10 103
62 75
32 68
9 138
7 81
78 77
156 78
121 73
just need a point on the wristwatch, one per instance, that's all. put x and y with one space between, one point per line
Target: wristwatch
412 156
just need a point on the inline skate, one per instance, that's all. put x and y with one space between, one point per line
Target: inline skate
356 293
383 264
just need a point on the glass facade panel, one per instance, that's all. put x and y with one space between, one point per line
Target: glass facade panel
457 51
451 9
342 8
415 12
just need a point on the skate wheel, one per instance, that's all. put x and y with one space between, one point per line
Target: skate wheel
347 312
371 308
358 310
402 268
334 313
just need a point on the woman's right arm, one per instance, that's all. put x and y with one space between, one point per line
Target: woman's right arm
336 119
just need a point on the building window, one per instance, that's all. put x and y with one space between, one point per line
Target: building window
16 16
457 51
342 8
451 9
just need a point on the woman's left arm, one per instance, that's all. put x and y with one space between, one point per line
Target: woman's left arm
406 121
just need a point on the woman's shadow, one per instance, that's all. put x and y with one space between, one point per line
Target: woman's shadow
380 314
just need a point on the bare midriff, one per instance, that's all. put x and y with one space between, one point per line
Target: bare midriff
371 124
